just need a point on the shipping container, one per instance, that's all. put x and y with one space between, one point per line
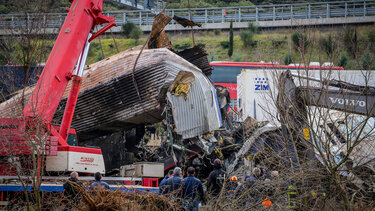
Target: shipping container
257 88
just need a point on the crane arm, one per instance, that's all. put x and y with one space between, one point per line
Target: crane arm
342 100
292 100
83 16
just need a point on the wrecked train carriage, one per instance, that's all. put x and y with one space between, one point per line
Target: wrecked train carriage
111 101
119 102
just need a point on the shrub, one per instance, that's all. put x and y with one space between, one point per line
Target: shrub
368 62
371 39
328 45
343 60
136 33
203 45
288 59
351 41
238 58
100 56
127 28
247 38
253 28
217 32
300 41
224 44
213 56
278 43
230 49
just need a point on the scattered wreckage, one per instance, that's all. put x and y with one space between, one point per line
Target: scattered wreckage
158 105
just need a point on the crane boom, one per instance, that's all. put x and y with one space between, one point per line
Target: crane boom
292 100
83 16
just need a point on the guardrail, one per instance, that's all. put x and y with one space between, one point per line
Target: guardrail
213 15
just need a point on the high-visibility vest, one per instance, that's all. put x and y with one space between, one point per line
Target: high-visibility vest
267 203
292 195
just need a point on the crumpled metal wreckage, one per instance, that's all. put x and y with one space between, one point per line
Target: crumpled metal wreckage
168 89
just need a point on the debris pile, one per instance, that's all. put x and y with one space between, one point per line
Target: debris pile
125 199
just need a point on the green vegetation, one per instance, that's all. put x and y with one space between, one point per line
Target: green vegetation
109 48
273 46
329 45
343 60
351 41
300 41
224 44
288 59
368 62
247 36
176 4
230 49
130 30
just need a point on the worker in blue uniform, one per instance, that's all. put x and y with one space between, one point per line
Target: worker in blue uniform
192 191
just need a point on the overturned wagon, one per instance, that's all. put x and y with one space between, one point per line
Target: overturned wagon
113 97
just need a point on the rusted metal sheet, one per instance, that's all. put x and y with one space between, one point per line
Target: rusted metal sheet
158 37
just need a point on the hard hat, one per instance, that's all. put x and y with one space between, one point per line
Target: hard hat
234 178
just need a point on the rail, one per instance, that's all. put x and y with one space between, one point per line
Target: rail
321 10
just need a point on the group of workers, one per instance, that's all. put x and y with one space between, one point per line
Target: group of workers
73 185
190 189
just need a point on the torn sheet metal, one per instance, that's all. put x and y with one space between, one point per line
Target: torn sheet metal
199 113
158 37
197 55
249 143
185 22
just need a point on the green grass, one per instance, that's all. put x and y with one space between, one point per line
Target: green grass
109 47
270 47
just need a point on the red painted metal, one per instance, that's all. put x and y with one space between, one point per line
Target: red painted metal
82 18
150 182
232 89
80 149
70 106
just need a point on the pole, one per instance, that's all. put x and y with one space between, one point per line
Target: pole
191 18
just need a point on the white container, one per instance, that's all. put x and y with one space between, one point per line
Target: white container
257 93
127 171
149 169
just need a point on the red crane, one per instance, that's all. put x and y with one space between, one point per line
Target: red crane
33 132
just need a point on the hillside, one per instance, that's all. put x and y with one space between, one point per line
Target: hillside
270 46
